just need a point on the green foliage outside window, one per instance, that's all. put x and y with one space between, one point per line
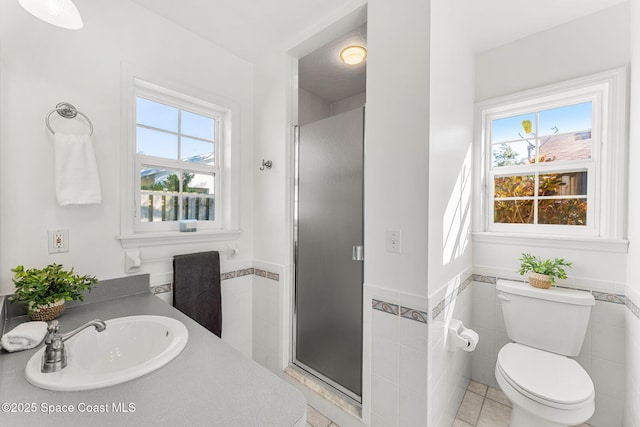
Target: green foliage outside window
171 183
570 211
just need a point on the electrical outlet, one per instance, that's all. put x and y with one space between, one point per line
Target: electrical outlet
394 241
58 241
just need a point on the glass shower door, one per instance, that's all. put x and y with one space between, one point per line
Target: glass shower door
329 268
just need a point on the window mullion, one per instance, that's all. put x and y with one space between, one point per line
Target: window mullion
536 176
537 139
536 193
180 134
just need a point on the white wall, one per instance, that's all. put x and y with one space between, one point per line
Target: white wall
43 65
397 194
585 46
450 257
272 187
272 223
632 410
397 143
348 104
564 52
311 107
450 141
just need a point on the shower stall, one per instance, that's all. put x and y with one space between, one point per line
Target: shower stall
329 251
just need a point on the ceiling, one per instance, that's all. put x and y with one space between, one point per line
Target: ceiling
246 27
249 27
491 23
323 73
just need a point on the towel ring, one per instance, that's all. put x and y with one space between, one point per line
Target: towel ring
67 111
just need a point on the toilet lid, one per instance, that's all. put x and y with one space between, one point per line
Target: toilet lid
546 377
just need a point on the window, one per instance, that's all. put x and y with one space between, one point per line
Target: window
550 159
541 162
177 156
180 162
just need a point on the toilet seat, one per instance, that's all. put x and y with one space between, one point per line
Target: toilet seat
547 378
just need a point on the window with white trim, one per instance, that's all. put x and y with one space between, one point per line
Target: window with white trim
550 159
179 162
178 143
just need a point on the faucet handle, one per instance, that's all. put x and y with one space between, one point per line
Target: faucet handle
53 329
53 325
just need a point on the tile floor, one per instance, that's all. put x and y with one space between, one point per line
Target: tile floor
316 419
484 406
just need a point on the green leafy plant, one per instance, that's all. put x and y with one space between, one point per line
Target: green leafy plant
47 285
552 268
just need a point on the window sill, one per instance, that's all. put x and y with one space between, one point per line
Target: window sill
173 237
557 241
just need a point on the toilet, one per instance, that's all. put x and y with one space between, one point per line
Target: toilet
547 326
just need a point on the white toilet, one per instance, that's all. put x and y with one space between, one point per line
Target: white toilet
546 388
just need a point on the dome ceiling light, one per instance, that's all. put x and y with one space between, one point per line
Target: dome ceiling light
353 55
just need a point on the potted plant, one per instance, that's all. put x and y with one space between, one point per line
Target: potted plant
45 290
543 274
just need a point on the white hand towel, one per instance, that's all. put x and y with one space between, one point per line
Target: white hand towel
76 170
24 336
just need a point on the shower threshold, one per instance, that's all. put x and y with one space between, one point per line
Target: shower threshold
325 388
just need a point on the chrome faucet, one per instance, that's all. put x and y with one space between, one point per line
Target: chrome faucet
54 358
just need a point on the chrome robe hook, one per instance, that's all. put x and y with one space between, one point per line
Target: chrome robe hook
266 164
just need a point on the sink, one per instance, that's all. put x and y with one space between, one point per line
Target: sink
129 348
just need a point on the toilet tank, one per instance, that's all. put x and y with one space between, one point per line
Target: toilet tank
553 319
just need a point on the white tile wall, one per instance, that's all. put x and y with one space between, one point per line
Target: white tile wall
413 374
602 355
632 389
237 312
384 367
266 322
449 372
396 361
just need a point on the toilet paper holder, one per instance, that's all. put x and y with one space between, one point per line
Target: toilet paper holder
461 337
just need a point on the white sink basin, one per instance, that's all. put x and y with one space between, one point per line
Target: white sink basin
129 348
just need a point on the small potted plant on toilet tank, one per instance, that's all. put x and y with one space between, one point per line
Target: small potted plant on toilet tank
45 290
542 274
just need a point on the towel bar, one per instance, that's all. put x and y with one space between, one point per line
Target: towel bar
228 252
67 111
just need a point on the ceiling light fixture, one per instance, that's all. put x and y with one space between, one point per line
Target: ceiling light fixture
353 55
61 13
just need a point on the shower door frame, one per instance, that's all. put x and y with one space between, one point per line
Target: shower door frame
333 386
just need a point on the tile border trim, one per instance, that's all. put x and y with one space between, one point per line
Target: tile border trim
385 307
598 295
161 289
399 310
633 308
607 297
444 303
413 314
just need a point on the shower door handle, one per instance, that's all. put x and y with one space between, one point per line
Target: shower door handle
357 253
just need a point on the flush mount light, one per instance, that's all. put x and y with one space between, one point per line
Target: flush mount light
61 13
353 55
